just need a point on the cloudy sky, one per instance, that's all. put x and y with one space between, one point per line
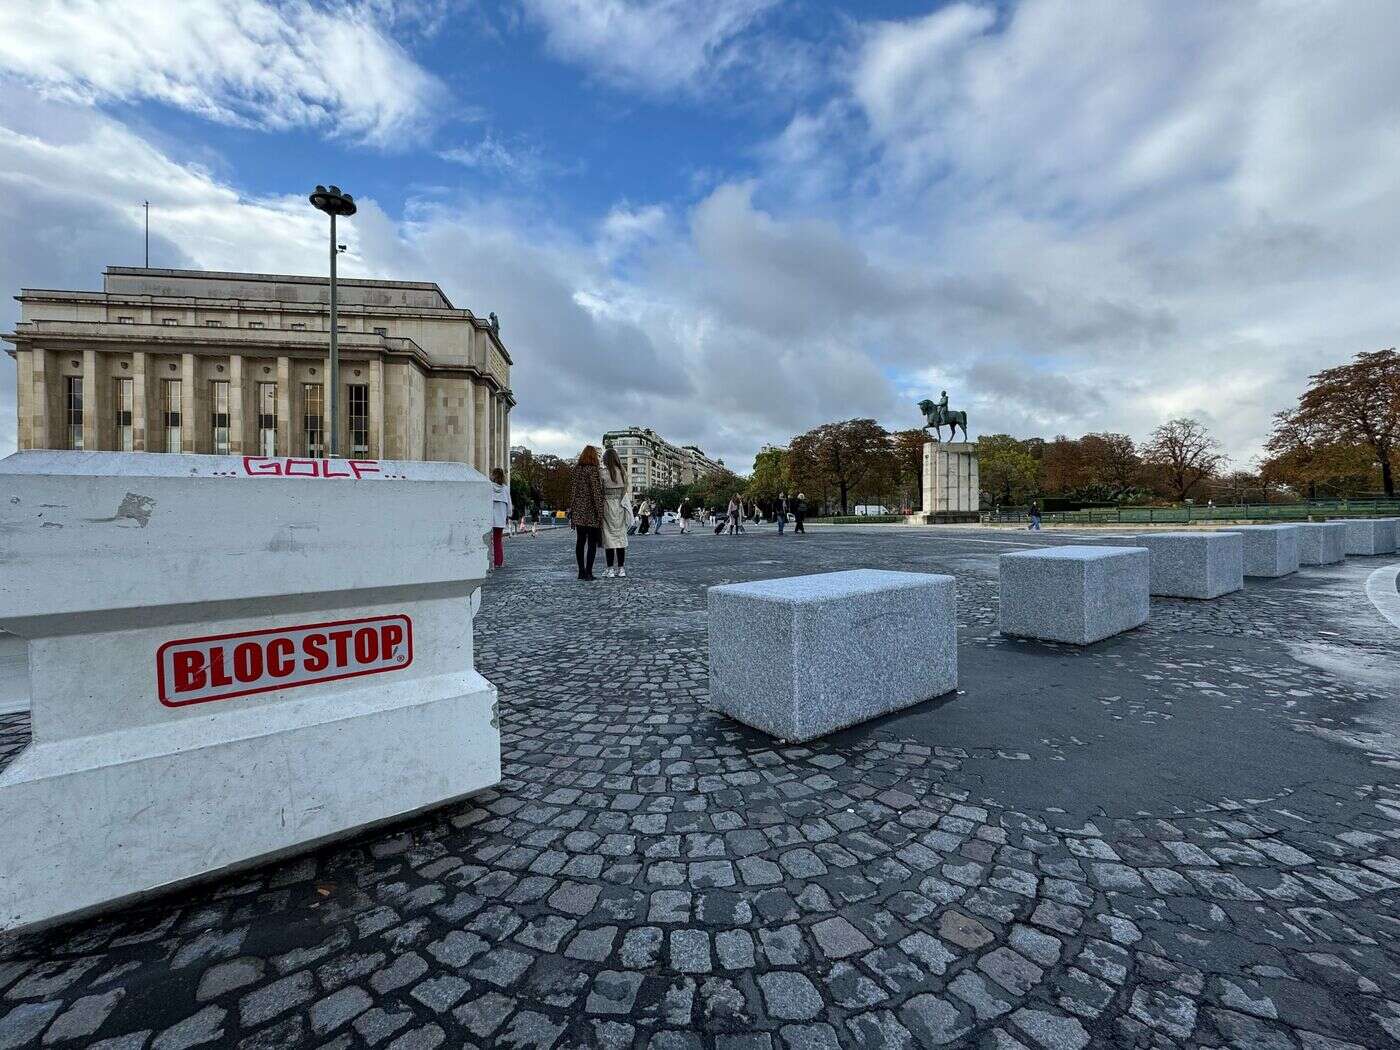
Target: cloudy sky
735 219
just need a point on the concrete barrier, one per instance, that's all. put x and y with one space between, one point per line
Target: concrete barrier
1321 542
807 655
1269 550
14 674
1075 594
1192 564
231 659
1368 536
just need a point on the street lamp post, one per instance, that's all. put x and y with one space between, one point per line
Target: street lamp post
334 203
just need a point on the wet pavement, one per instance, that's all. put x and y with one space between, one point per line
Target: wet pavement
1186 835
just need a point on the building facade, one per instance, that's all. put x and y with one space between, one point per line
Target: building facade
653 462
235 364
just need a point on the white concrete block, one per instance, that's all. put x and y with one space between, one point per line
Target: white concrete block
14 674
804 656
1191 564
1370 536
228 664
1269 550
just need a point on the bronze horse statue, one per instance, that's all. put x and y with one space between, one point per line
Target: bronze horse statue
938 417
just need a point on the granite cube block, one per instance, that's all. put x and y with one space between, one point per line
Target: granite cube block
1193 564
1371 535
1321 542
1269 550
808 655
1076 594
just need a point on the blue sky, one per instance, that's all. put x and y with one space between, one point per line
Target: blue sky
735 219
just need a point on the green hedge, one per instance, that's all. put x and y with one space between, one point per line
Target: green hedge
859 519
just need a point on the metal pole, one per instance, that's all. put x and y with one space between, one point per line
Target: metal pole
332 403
147 206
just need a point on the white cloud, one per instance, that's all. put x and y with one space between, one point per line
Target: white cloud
657 46
245 62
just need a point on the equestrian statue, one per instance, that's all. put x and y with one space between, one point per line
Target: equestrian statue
937 415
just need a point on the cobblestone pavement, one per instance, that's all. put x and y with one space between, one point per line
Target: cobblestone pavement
1188 835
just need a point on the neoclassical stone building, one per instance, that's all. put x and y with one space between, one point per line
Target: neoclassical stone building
235 363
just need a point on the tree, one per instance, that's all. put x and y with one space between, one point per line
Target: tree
1332 468
1356 404
1183 455
1007 472
908 447
1111 462
842 456
1063 466
770 475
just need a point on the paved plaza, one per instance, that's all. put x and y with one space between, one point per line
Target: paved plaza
1185 835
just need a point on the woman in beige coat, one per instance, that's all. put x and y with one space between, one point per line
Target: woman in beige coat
617 503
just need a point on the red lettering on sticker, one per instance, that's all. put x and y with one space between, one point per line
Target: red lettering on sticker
197 670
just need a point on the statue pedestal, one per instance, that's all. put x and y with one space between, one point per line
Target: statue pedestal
950 482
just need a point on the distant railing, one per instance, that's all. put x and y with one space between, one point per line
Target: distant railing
1313 509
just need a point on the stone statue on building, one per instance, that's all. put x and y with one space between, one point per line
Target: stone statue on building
496 322
938 415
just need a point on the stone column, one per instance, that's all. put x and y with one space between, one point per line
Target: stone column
376 408
39 400
92 401
505 426
284 407
140 388
481 454
189 400
24 392
237 436
469 423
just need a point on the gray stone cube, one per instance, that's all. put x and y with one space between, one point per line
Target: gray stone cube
808 655
1321 542
1193 564
1076 594
1371 535
1269 550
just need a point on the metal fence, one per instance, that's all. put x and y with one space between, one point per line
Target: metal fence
1187 513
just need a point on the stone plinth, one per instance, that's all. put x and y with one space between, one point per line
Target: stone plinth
1193 564
950 481
807 655
1321 542
1075 594
229 660
1269 550
1367 536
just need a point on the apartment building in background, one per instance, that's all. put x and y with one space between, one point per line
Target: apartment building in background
653 462
220 363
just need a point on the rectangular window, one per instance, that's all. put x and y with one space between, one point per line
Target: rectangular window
255 324
213 324
125 319
74 410
267 419
312 425
170 390
381 331
340 328
169 320
123 396
218 416
298 326
358 417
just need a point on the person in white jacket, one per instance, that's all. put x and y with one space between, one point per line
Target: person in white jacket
500 516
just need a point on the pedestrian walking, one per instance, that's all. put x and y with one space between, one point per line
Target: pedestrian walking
500 516
782 512
644 516
586 511
1035 517
799 512
617 508
683 512
732 515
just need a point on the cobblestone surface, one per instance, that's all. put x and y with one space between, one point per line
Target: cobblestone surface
1187 835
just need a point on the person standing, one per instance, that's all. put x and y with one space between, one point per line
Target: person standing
1035 517
586 511
683 512
799 512
617 507
782 512
644 514
732 515
500 516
